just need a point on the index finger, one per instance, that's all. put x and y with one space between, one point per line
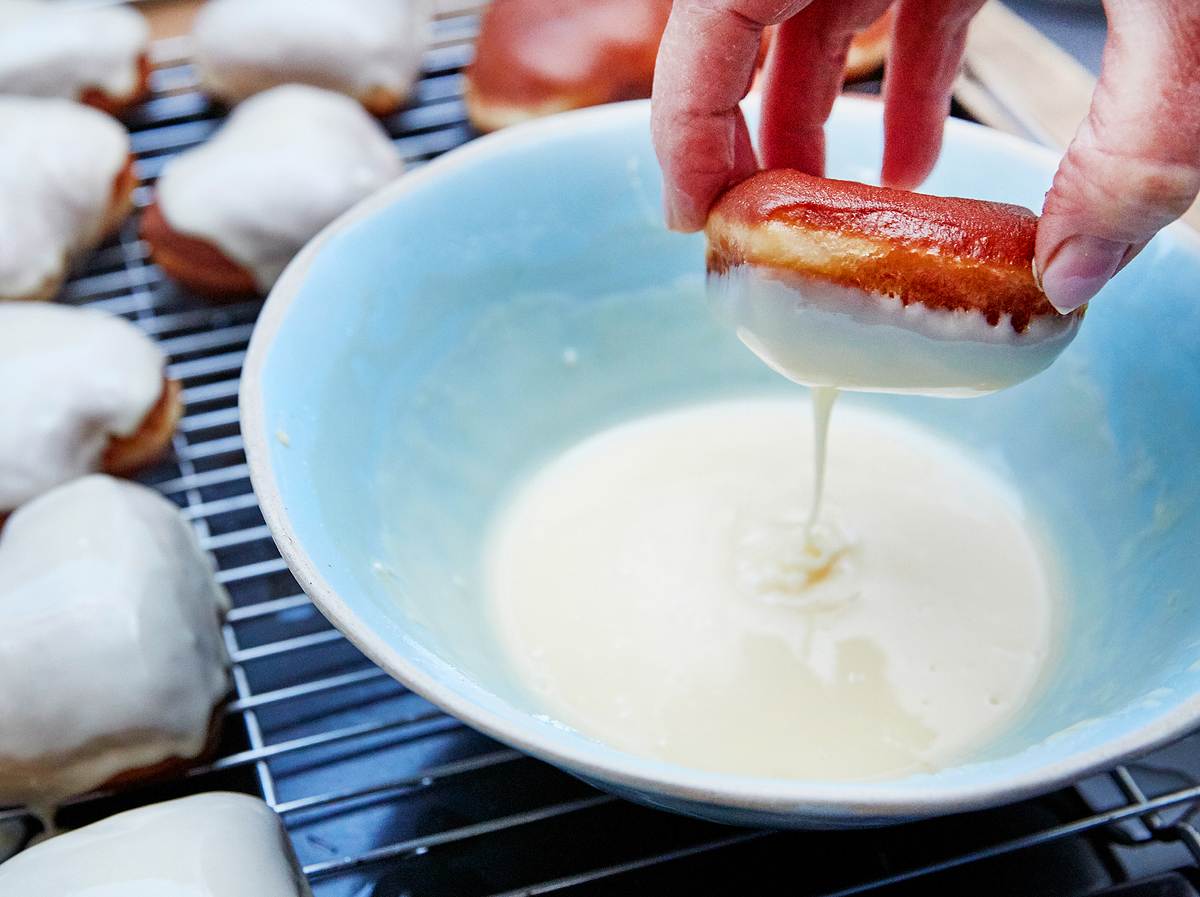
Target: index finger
705 67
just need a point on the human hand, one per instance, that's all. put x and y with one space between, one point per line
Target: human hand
1133 167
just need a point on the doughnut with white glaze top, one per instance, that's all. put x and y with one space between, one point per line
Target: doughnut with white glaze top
367 49
87 391
112 664
66 182
229 215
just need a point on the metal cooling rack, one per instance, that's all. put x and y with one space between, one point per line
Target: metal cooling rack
384 795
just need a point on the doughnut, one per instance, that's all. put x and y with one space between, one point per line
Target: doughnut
95 54
216 844
837 283
229 215
539 57
367 49
66 182
94 396
869 48
112 666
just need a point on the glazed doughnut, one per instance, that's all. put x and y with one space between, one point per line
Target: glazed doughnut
367 49
95 397
538 57
229 215
95 54
112 665
217 844
836 283
66 182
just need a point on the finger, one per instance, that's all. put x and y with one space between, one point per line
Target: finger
705 67
928 40
1134 165
804 76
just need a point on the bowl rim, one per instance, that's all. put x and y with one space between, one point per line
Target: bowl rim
877 800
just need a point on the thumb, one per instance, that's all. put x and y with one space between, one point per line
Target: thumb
1134 165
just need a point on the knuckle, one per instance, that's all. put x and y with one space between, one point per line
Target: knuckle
1128 195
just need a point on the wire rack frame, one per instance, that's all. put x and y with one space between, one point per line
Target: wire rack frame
290 723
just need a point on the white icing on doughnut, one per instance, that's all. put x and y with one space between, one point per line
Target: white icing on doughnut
821 334
287 163
52 49
242 47
58 164
208 845
76 378
111 656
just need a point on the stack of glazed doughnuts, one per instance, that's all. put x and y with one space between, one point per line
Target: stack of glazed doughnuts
113 669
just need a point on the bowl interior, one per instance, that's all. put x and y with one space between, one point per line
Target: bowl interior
520 294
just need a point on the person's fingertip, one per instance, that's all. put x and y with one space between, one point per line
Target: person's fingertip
1078 269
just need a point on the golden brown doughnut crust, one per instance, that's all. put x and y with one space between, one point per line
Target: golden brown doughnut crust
542 56
943 252
117 105
128 454
196 263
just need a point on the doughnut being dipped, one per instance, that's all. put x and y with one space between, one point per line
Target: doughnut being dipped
229 215
98 55
840 284
66 182
539 57
86 391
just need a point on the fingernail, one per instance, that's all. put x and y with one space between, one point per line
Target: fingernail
1078 269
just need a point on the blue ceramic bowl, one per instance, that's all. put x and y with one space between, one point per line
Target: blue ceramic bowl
409 369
